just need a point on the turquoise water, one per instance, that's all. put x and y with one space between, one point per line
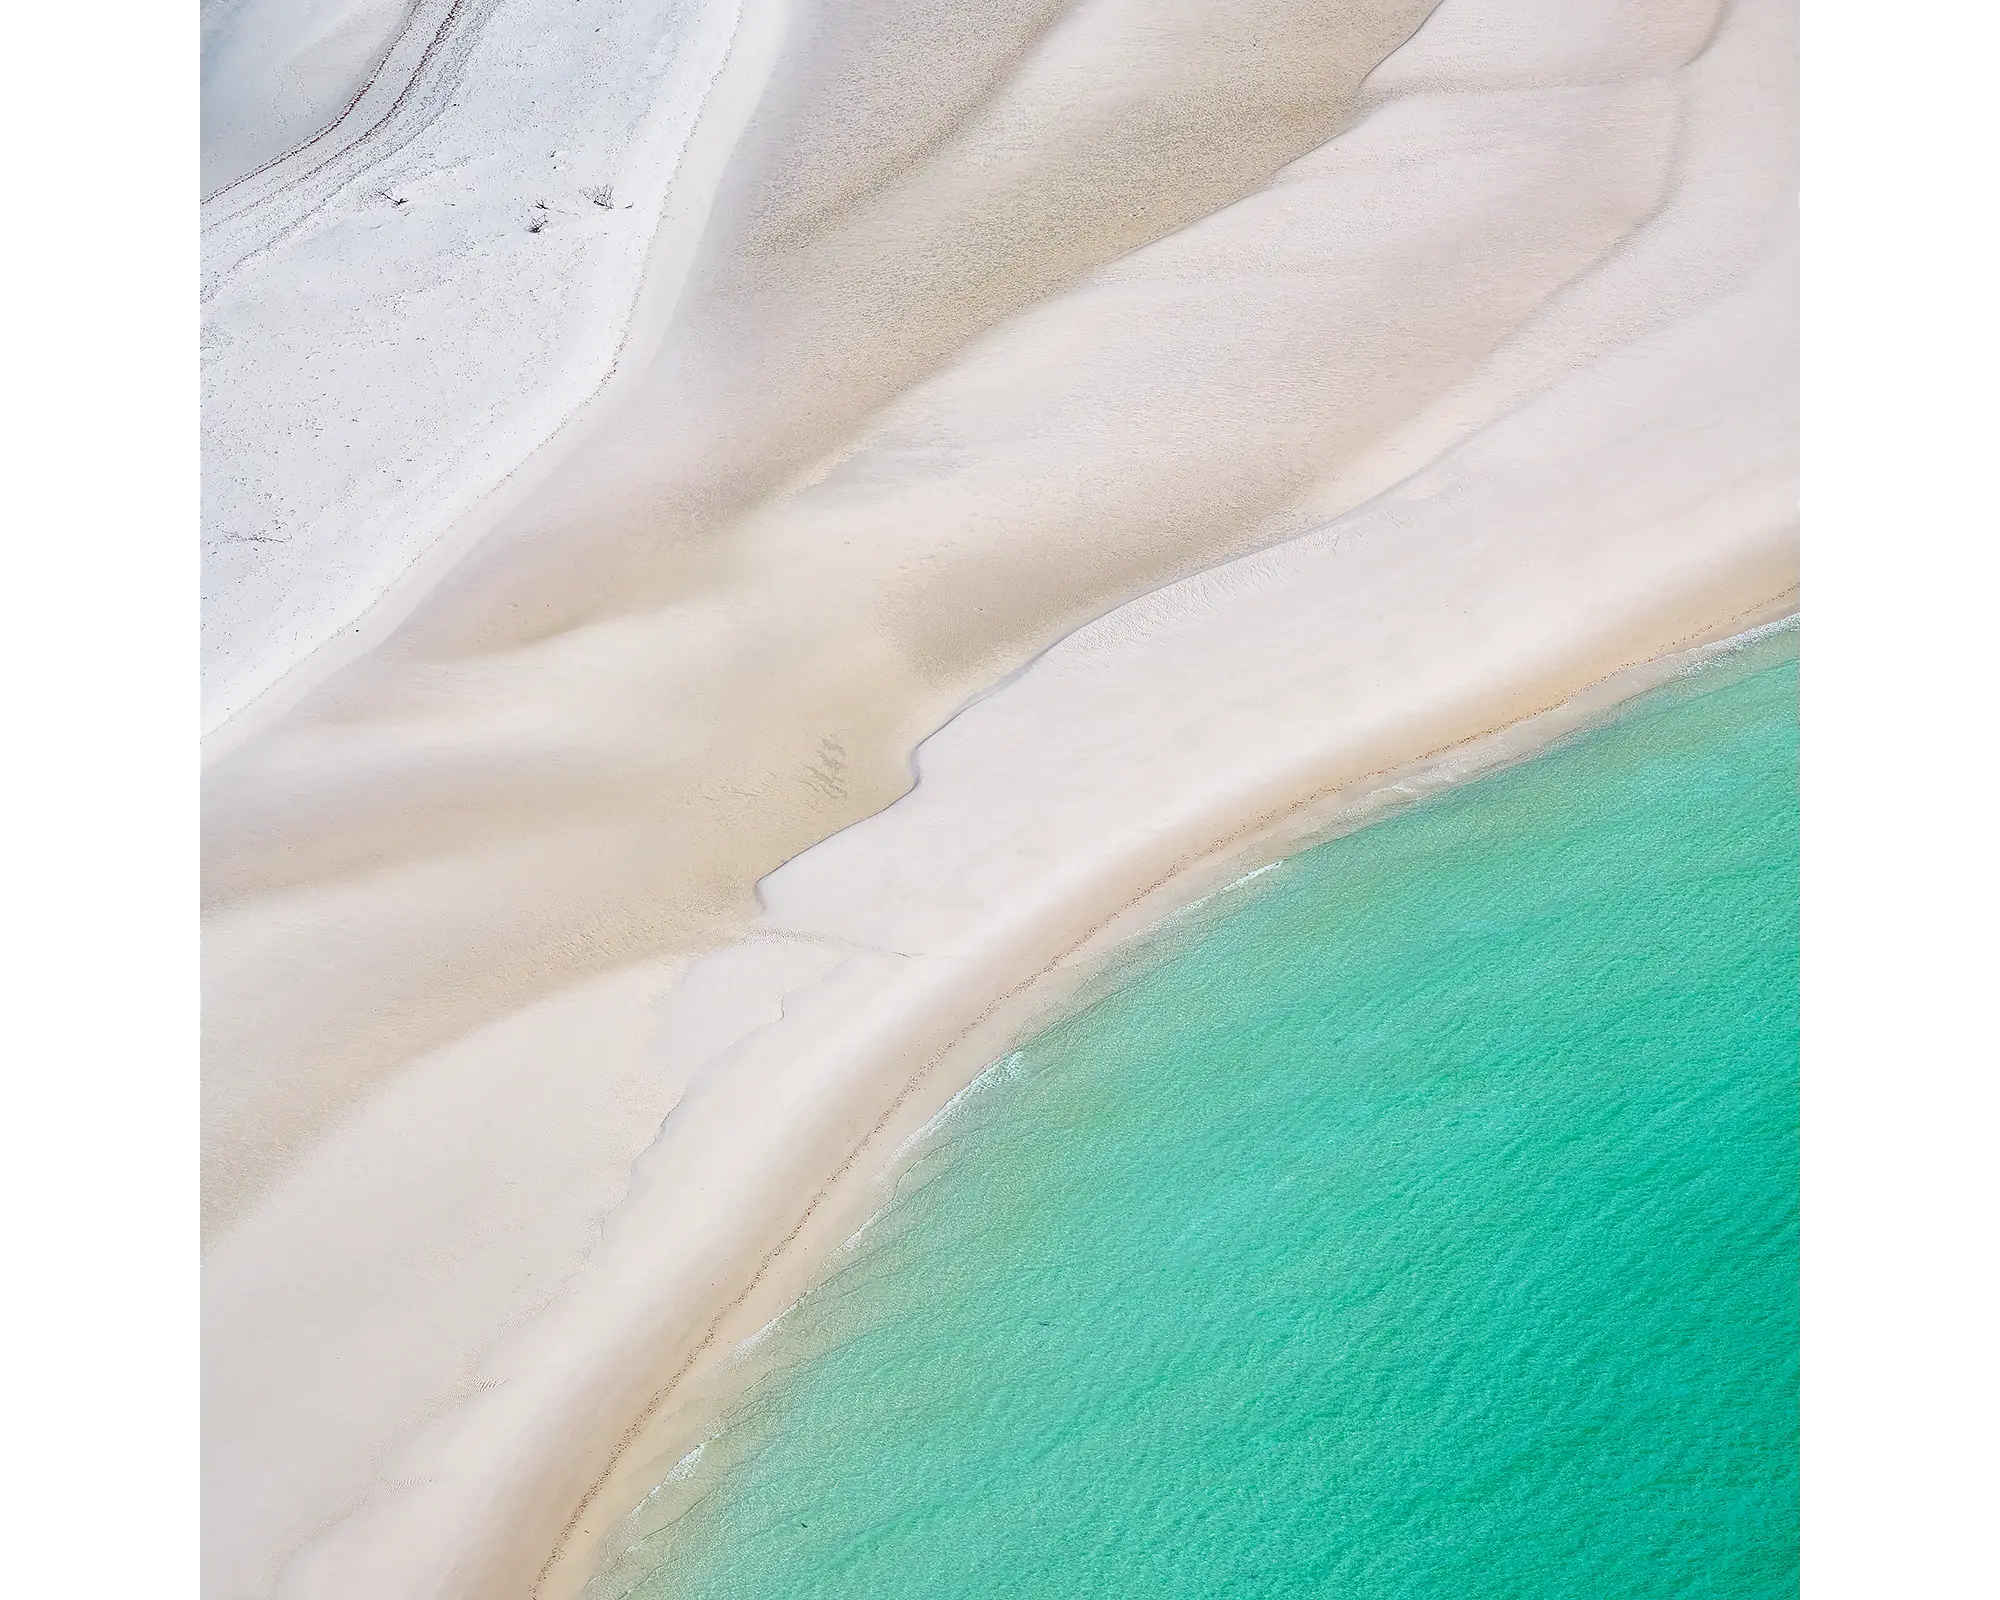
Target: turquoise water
1422 1222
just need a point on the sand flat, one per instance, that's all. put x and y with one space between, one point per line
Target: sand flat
1009 426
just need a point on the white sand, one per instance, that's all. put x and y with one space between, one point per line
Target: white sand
385 341
1362 417
275 76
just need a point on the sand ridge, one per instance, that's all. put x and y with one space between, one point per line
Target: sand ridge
1151 417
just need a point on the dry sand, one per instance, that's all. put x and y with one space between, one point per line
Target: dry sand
1152 417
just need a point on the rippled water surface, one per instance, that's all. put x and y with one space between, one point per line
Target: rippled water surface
1421 1222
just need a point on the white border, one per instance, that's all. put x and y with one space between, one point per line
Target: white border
97 1144
98 1120
1900 1113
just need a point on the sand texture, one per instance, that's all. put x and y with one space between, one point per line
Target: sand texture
671 672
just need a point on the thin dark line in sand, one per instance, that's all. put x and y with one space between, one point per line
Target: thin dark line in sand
1268 820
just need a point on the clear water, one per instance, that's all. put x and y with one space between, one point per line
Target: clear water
1423 1224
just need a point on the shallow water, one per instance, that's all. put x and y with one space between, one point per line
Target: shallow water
1420 1221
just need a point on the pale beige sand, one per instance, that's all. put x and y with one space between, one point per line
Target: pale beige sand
993 330
635 1498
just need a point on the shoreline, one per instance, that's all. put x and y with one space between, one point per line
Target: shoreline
696 1404
991 536
1142 761
1056 817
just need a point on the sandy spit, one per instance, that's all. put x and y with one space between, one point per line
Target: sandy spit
1031 446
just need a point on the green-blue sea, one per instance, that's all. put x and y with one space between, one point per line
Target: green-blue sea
1418 1221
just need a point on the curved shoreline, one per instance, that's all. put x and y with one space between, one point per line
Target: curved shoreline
515 1082
767 1159
1112 764
699 1395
